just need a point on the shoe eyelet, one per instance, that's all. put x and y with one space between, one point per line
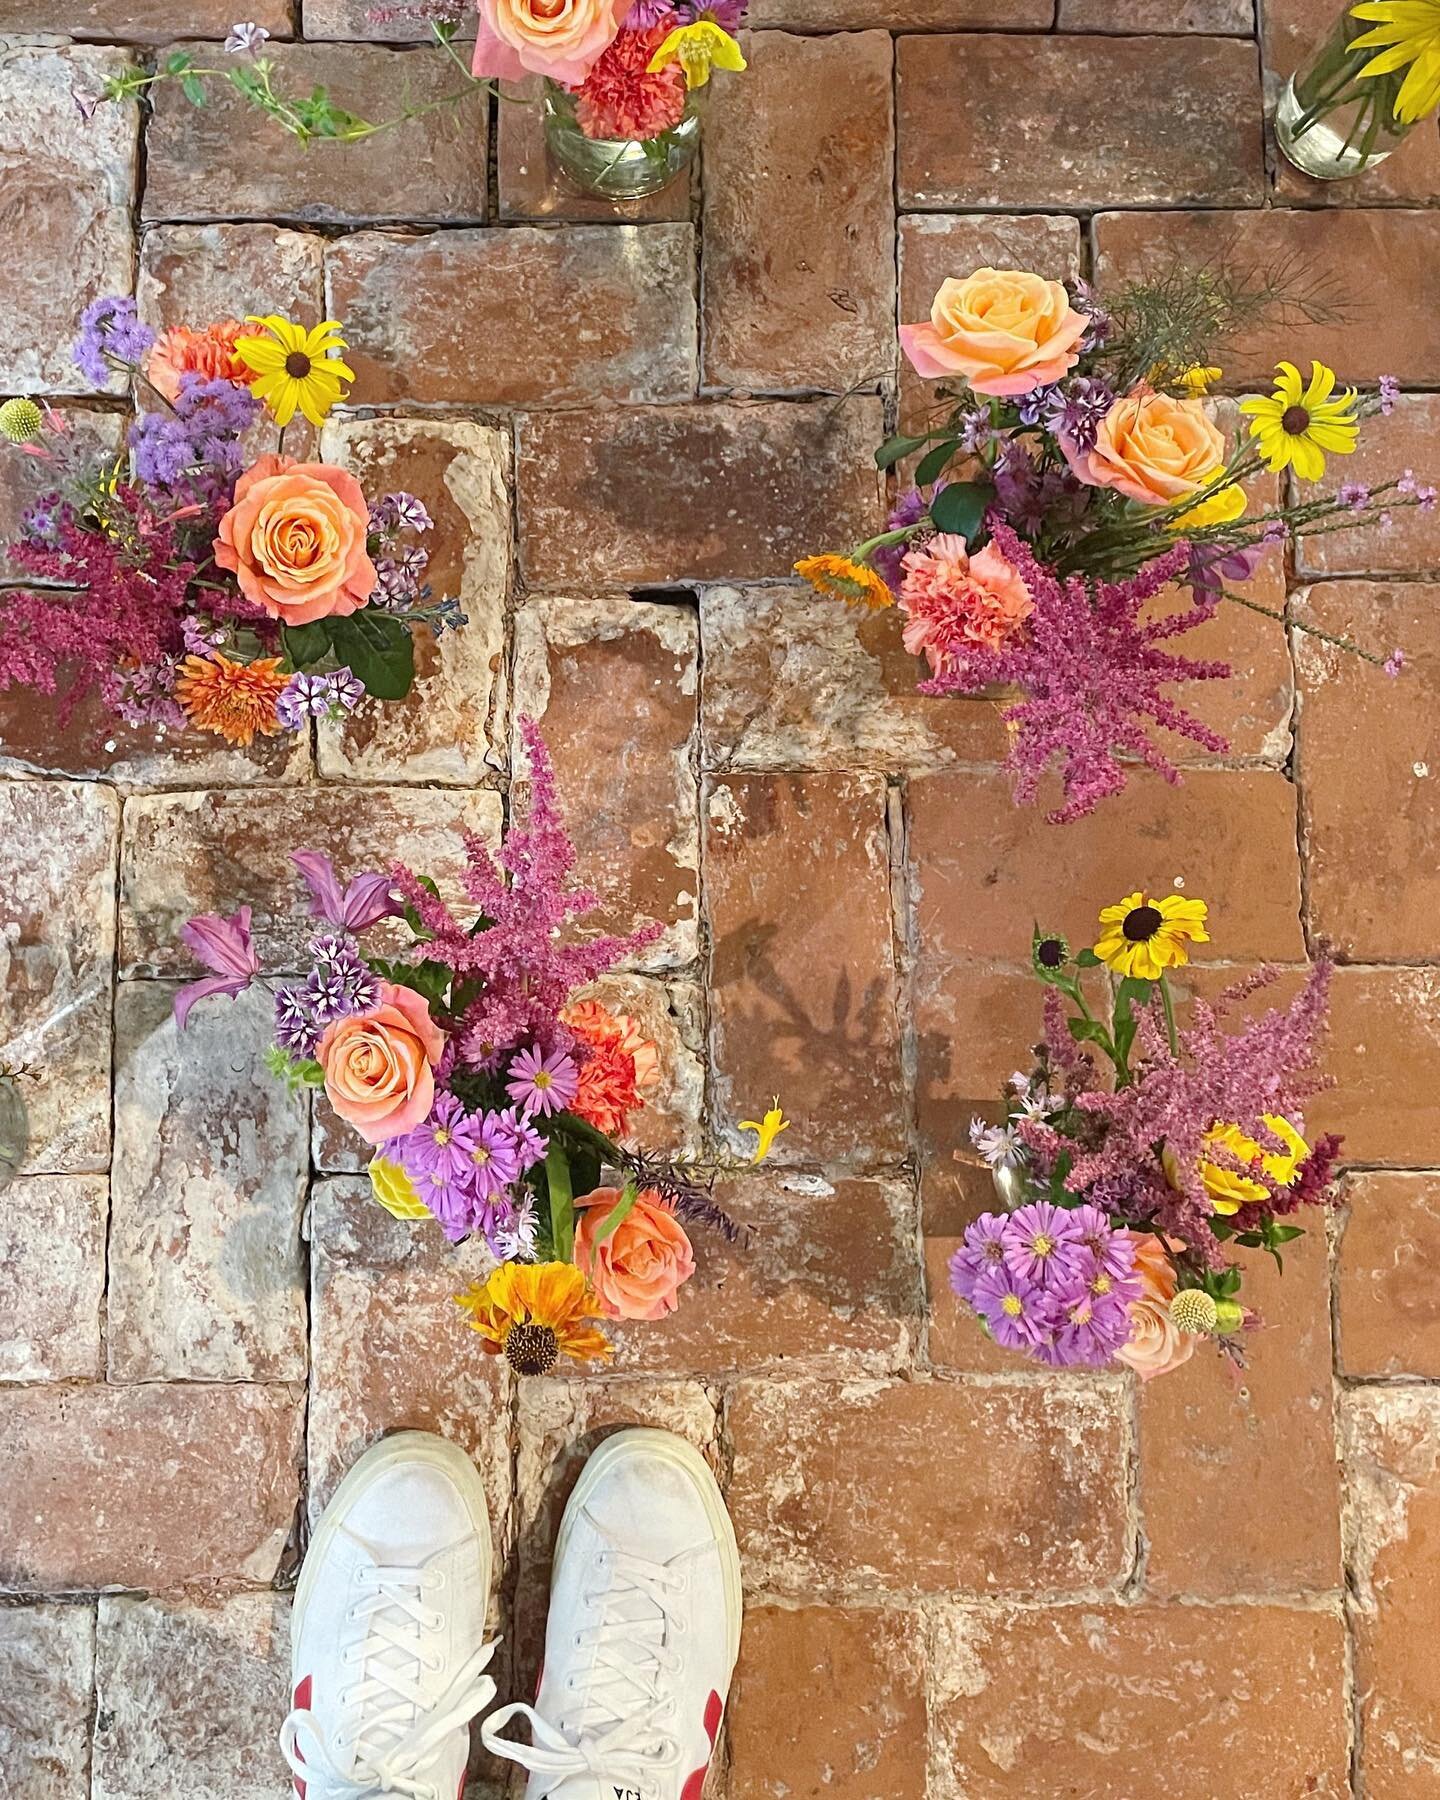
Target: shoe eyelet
578 1640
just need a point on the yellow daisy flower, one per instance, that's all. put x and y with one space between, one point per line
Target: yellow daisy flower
1228 1189
295 367
1144 937
766 1130
533 1312
1221 507
1296 425
1406 36
699 47
842 578
395 1191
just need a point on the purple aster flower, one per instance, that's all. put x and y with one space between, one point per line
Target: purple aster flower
908 510
530 1145
514 1240
542 1084
224 946
1112 1252
364 902
1091 1329
1020 1313
974 430
491 1158
982 1253
245 38
296 1027
998 1144
436 1143
727 14
1041 1244
1389 394
447 1197
110 332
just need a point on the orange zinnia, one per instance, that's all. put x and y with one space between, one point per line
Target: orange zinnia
236 699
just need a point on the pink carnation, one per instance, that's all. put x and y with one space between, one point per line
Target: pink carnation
956 601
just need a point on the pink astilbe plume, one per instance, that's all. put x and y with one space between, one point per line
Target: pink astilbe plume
1213 1077
1092 672
525 971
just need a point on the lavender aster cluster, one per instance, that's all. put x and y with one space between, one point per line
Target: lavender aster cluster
198 445
1053 1282
110 333
465 1164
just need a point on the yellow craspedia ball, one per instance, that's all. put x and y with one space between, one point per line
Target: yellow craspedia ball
20 420
395 1191
1194 1311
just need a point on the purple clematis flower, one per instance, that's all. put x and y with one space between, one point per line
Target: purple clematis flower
224 946
365 901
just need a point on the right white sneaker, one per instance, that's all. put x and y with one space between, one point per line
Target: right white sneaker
387 1634
643 1632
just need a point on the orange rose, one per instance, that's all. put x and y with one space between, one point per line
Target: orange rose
1152 448
635 1273
295 540
180 351
1005 331
379 1064
1156 1346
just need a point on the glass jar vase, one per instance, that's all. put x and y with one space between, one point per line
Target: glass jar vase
1331 122
618 168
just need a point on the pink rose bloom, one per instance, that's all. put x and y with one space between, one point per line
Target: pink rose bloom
638 1270
1156 1346
957 602
559 38
1152 448
1003 330
379 1065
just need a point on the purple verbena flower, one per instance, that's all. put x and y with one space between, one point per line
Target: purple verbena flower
1394 662
1389 394
245 38
1353 494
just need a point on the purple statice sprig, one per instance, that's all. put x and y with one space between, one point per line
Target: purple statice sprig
111 336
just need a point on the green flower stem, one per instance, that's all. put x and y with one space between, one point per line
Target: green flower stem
1167 1000
862 552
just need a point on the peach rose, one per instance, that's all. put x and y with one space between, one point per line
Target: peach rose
1156 1346
1152 448
379 1064
295 540
180 351
559 38
639 1267
1005 331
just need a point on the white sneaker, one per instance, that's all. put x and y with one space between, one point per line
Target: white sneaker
387 1636
643 1632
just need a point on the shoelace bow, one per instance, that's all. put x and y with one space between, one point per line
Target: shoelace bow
615 1736
401 1727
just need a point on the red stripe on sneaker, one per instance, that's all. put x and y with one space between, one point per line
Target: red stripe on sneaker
302 1704
714 1711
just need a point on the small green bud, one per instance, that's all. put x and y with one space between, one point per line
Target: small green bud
1229 1316
20 420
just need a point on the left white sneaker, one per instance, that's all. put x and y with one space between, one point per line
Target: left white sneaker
643 1633
387 1633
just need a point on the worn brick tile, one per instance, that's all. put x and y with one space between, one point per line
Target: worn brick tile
352 19
236 848
853 1486
1369 758
1391 332
861 1672
1226 18
983 868
828 1278
794 681
206 1280
1388 447
703 493
972 1024
994 121
1209 1432
227 160
1384 1053
57 959
800 217
52 1277
417 308
391 1350
1094 1695
599 673
96 1479
802 964
47 1657
70 208
140 21
904 15
1392 1470
188 1697
532 187
1388 1275
451 725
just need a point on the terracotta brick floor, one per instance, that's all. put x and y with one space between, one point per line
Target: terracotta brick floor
964 1581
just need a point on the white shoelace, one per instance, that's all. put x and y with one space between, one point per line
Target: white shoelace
396 1727
615 1734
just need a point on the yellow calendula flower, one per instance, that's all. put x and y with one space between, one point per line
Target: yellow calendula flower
842 578
533 1312
1144 937
1197 380
766 1130
395 1191
295 366
1406 35
699 47
1221 507
1296 425
1228 1189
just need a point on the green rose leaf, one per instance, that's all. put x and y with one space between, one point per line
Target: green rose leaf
897 447
306 645
377 647
959 508
932 465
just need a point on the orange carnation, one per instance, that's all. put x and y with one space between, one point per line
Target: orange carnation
181 351
620 1062
295 540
